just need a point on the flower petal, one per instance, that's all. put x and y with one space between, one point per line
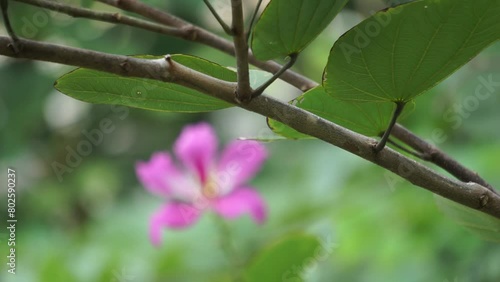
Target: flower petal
155 173
239 162
196 147
174 216
241 201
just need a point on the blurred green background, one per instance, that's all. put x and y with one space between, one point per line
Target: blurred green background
92 225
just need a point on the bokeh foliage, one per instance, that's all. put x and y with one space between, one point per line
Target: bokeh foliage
92 225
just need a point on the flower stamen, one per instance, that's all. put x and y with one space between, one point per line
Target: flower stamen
210 190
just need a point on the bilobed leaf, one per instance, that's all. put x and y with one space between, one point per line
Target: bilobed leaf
401 52
367 118
284 260
105 88
287 26
486 226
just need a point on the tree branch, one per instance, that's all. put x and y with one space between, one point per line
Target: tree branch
147 11
200 35
244 92
469 194
175 27
105 17
436 156
187 31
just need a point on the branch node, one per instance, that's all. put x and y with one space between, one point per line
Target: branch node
125 65
483 201
238 101
15 46
189 32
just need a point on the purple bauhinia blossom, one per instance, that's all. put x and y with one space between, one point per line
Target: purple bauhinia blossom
202 181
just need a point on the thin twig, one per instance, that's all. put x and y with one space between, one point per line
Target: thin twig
4 5
244 92
104 17
224 26
436 156
469 194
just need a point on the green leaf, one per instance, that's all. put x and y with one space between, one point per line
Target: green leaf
287 26
486 226
105 88
367 118
401 52
265 139
286 131
286 259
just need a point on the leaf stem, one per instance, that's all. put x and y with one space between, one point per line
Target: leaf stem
262 88
249 32
397 111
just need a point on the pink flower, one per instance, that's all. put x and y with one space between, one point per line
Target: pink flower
201 182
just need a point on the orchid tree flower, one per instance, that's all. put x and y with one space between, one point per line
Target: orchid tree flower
201 181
